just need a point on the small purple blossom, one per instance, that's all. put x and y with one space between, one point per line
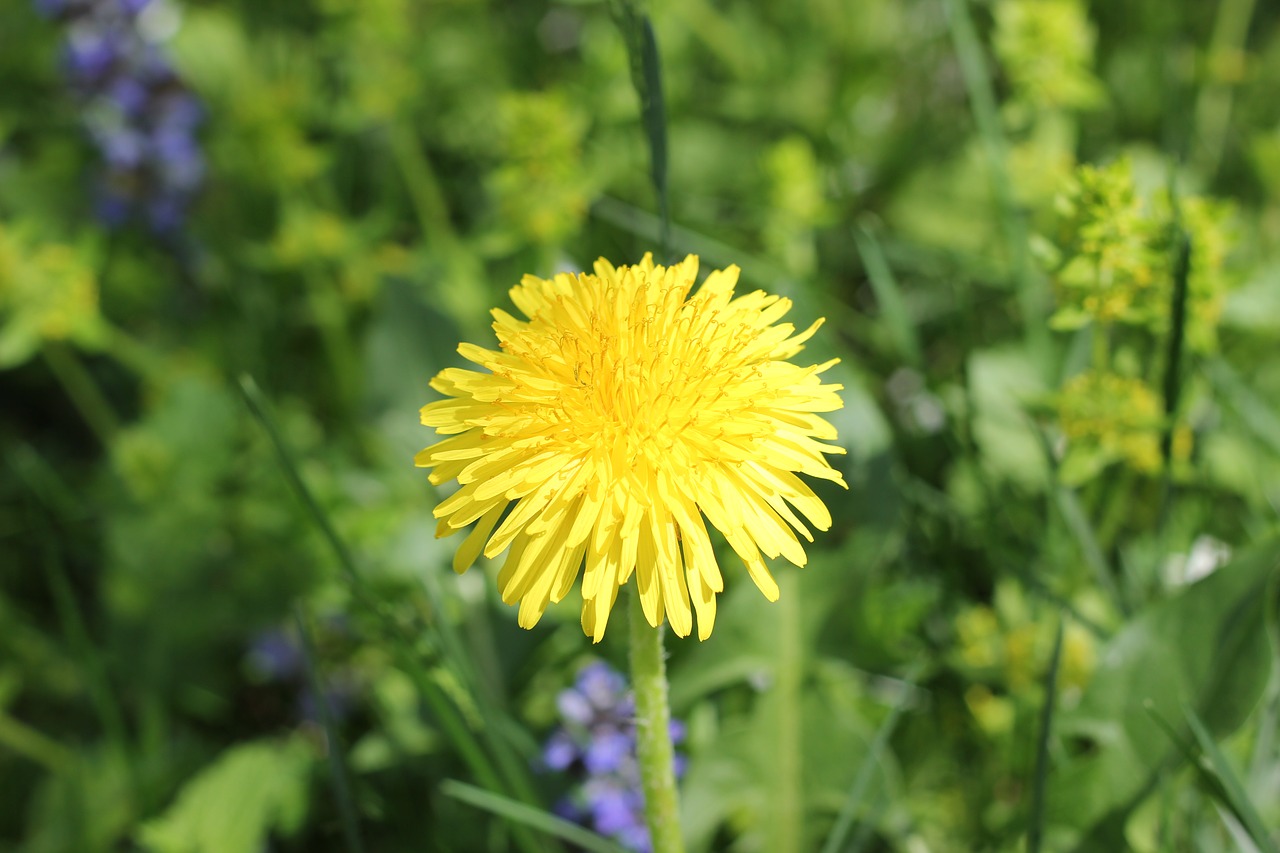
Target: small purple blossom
276 656
136 110
560 751
597 742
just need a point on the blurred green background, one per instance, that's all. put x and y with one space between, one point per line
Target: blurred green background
1044 234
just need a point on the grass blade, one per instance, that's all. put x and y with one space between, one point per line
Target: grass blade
258 407
526 815
858 790
1201 761
646 76
1228 789
337 756
1033 295
405 646
1035 828
1177 326
889 297
1255 413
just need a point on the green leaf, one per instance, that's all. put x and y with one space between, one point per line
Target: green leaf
1205 647
646 76
1004 383
733 781
1035 828
893 307
1228 787
534 818
236 803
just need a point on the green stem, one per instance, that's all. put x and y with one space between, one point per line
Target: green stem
1033 295
135 355
337 759
83 390
1213 106
425 192
653 733
18 737
1101 342
327 310
787 833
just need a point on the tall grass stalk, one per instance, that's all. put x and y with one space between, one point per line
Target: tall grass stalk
1033 295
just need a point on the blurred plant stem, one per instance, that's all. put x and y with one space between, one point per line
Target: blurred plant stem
135 355
478 743
1033 295
654 751
1040 778
83 390
35 745
786 834
1226 66
458 293
423 185
1101 342
326 307
97 683
334 749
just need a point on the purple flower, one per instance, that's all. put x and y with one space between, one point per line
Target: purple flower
129 95
51 8
166 212
597 741
339 696
574 707
136 109
111 207
608 750
275 656
613 807
560 751
89 54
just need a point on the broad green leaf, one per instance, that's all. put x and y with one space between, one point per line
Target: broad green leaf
59 818
1205 647
733 783
235 804
1003 382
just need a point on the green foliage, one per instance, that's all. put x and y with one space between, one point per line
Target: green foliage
1046 47
1042 233
253 791
1108 418
1204 648
1112 265
48 292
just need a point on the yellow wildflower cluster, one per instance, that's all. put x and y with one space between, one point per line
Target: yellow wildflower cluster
1005 650
541 187
1108 418
1116 256
1114 261
48 291
1046 48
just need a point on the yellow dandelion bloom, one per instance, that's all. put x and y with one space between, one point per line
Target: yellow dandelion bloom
613 421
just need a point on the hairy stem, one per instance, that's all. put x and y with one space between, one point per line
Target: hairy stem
653 732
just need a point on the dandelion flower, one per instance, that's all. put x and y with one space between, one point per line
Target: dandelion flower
613 421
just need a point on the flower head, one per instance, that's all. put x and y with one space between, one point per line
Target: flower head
616 418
